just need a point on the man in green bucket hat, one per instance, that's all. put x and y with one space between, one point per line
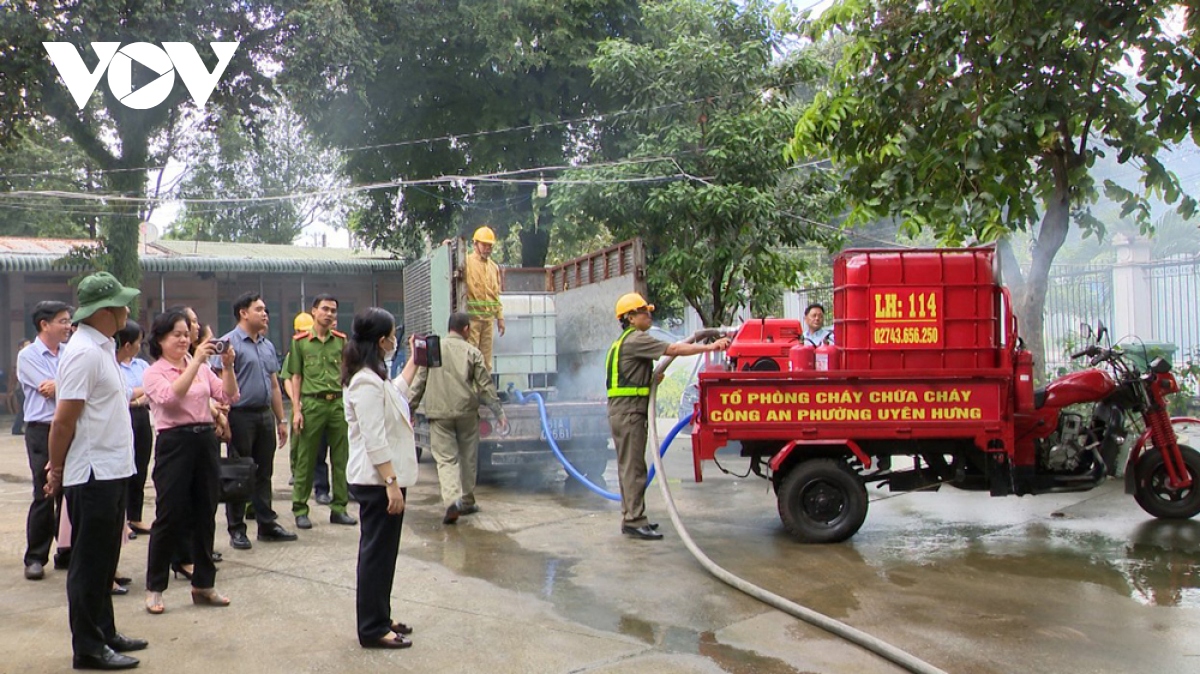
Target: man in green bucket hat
91 458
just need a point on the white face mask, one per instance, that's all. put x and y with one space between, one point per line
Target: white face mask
390 354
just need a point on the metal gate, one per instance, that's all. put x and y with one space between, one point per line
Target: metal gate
1175 289
1077 295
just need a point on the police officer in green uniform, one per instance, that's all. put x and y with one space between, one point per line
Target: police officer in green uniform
628 370
303 323
315 362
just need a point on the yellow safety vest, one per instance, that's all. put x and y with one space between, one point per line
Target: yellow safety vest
613 380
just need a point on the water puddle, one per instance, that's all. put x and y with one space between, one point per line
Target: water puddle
1158 564
497 559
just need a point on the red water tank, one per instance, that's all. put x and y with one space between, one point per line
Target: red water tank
825 356
802 356
923 309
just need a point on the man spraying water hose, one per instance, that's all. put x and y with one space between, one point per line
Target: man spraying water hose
629 368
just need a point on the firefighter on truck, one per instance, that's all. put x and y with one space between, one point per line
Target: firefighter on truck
483 294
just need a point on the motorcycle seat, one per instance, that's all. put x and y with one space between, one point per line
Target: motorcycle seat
1039 398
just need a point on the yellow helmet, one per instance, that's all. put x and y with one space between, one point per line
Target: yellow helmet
631 302
484 235
303 322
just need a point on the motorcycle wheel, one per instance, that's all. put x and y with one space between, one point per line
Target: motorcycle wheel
1153 494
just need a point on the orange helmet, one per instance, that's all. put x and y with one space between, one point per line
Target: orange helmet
484 235
632 302
303 322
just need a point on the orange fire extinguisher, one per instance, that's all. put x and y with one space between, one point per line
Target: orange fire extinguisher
802 356
826 356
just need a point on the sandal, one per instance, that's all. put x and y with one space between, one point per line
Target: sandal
401 628
154 603
208 597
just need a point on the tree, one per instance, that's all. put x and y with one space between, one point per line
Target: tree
273 157
704 182
974 118
420 91
120 140
42 159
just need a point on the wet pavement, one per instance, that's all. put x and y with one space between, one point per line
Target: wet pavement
542 581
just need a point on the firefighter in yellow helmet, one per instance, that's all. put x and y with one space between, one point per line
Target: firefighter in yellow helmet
483 294
628 369
302 323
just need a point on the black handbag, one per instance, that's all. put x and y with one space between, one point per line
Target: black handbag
237 478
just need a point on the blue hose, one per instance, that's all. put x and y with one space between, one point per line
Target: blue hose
523 398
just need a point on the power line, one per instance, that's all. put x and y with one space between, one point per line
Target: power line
497 177
846 231
93 172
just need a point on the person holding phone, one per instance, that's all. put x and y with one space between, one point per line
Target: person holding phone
381 466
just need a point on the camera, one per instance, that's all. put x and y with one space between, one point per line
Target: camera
220 345
427 350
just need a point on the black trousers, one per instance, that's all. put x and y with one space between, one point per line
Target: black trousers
187 482
42 523
143 443
97 510
252 434
378 545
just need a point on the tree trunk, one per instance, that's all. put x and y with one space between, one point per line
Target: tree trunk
1031 302
121 235
535 246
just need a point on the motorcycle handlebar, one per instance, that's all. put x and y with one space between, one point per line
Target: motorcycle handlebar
1095 354
1092 350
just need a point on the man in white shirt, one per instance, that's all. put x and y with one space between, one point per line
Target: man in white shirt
91 459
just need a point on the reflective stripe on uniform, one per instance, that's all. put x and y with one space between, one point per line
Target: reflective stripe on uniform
613 378
483 308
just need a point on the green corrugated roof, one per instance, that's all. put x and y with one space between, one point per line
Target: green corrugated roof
31 263
260 250
264 258
190 256
270 265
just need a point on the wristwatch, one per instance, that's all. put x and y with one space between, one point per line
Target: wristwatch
390 481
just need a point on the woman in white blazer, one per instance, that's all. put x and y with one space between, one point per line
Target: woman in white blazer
382 465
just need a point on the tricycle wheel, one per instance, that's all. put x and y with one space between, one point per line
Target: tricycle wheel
822 501
1158 499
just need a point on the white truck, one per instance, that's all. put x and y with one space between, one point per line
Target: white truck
559 325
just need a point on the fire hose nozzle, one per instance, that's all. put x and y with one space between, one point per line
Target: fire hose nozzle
713 333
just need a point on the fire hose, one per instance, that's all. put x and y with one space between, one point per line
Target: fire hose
835 627
524 397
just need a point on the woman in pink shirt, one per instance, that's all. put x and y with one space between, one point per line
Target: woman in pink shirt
179 388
